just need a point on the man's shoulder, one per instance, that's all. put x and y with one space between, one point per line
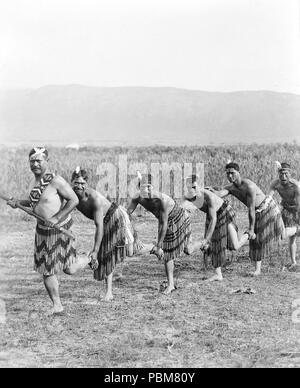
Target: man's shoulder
295 183
96 197
250 184
57 180
276 184
136 196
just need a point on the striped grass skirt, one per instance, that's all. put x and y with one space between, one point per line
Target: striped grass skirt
113 245
290 217
178 233
269 229
220 240
53 251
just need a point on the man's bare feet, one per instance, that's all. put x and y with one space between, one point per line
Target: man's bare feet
255 273
169 290
215 278
57 309
108 297
117 277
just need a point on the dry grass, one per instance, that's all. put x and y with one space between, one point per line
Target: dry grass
256 161
199 325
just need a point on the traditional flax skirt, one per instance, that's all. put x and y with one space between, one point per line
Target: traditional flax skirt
269 228
129 232
220 240
113 245
290 216
178 233
53 251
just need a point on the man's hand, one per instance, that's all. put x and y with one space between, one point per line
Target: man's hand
251 234
204 246
53 220
12 203
93 256
158 252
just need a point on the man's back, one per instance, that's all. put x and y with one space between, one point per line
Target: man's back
91 202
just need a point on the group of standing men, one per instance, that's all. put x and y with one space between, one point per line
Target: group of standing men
53 200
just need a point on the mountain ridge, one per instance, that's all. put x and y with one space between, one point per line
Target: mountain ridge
146 116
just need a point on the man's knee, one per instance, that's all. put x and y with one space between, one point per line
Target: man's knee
70 271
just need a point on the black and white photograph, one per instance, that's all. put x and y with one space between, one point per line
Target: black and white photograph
150 186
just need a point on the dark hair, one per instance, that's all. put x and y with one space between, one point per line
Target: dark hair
285 165
36 149
80 174
148 178
233 165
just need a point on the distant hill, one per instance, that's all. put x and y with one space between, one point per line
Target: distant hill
145 116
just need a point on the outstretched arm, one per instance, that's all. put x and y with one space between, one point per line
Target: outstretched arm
212 215
251 210
297 199
163 226
132 205
12 202
221 193
272 189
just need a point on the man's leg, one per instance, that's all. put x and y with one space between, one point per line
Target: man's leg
81 262
236 242
52 287
189 247
169 266
218 277
293 249
108 280
129 249
257 271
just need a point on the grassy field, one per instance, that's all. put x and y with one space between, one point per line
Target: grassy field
199 325
256 161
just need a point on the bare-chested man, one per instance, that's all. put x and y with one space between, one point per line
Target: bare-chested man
110 236
52 198
220 228
174 226
289 191
265 221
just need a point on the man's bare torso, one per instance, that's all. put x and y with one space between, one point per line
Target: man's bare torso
157 203
287 192
241 192
50 202
87 205
210 199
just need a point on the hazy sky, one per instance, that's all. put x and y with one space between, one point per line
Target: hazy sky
217 45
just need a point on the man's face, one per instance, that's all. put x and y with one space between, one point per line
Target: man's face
79 186
232 175
38 164
284 176
146 190
191 188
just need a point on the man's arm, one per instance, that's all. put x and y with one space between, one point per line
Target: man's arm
272 188
297 198
65 192
251 194
221 193
132 205
212 215
98 220
162 226
12 202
